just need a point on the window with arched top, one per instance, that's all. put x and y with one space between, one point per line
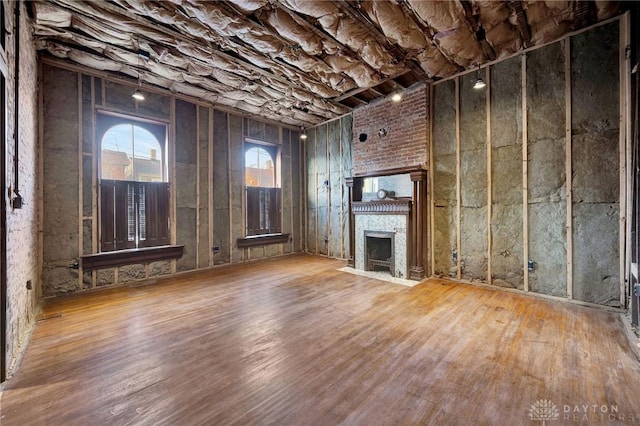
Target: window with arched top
134 192
263 194
259 167
131 152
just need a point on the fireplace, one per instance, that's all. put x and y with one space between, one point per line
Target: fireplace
400 217
379 251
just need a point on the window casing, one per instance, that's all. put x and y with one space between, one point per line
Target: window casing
263 192
134 192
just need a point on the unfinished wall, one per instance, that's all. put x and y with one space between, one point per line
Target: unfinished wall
506 175
473 181
595 147
23 246
538 210
328 163
546 175
444 174
206 175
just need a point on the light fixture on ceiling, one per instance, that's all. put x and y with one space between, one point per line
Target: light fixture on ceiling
396 97
303 134
138 95
479 84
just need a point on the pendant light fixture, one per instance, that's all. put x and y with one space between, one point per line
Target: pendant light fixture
479 84
303 134
138 95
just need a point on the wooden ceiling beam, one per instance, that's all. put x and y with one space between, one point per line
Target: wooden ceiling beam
471 16
523 25
362 89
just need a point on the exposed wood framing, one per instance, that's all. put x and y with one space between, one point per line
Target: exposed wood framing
39 200
476 26
583 14
80 180
304 196
568 143
523 24
94 181
432 202
172 179
342 176
230 189
315 185
291 209
210 184
625 153
458 183
197 187
525 174
487 78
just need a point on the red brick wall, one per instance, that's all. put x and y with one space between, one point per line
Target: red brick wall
408 135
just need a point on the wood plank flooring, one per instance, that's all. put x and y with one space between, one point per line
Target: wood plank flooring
294 341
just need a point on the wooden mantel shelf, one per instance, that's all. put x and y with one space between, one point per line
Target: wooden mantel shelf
382 207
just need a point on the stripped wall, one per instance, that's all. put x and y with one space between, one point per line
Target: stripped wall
206 175
530 169
328 162
22 240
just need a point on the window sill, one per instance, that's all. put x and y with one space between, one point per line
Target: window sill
262 240
109 259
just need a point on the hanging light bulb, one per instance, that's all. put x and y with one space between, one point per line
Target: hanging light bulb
479 84
396 97
303 134
138 95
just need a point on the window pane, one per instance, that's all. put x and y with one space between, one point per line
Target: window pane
147 156
130 152
117 150
259 168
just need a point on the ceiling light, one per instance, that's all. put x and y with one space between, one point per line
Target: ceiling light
303 135
396 97
479 84
138 95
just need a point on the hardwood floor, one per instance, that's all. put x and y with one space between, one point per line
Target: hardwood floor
295 341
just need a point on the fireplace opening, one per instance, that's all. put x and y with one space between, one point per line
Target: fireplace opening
379 251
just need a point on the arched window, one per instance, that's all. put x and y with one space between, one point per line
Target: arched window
259 168
131 152
134 192
263 202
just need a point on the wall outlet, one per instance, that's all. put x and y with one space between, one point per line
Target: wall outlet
215 249
29 285
531 265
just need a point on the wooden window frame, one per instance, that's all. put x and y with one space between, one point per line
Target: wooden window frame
260 208
148 204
